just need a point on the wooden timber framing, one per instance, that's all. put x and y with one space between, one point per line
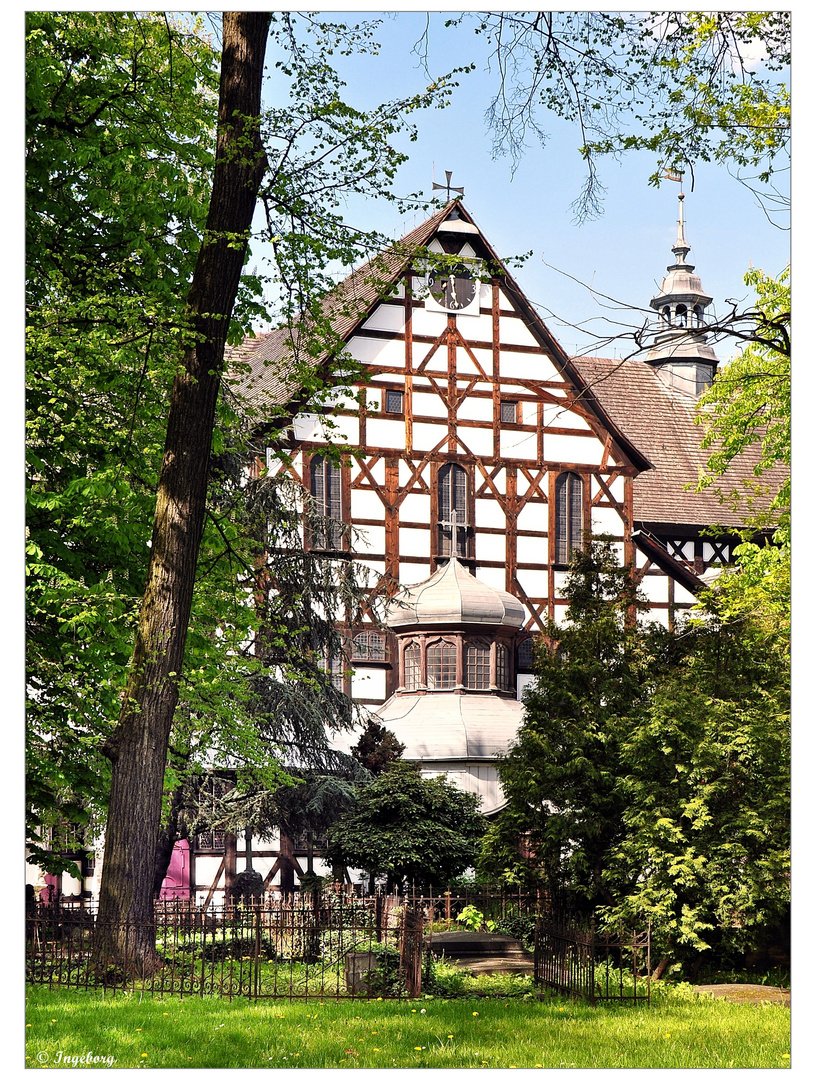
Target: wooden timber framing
490 390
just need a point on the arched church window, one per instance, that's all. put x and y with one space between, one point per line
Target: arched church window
412 667
525 655
477 665
452 495
569 491
325 481
698 315
369 645
441 661
665 315
502 667
681 315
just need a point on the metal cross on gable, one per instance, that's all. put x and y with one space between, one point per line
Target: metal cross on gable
446 187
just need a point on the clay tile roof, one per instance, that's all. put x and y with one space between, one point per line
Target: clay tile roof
264 367
660 421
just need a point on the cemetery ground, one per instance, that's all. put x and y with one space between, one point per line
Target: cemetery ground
486 1029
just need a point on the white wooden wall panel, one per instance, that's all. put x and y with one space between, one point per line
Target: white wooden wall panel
473 408
427 436
655 587
415 542
492 576
376 351
427 324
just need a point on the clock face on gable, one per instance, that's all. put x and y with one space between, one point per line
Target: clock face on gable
454 289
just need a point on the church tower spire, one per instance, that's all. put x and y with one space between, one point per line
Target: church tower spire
681 352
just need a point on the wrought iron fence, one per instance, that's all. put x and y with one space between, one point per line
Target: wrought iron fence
300 947
572 957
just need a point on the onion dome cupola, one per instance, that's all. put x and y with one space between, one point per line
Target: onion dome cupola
456 709
454 596
681 351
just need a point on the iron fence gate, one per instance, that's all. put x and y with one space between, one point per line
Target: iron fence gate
328 946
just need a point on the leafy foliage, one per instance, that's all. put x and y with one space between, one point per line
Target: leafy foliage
650 779
692 82
410 828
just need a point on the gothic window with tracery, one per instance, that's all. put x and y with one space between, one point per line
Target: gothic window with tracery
412 666
369 645
477 665
441 664
569 493
502 667
326 487
452 495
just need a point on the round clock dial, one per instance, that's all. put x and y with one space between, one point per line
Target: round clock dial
453 289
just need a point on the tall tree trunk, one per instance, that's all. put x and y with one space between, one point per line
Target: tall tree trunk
138 747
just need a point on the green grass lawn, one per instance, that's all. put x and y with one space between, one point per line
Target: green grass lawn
679 1030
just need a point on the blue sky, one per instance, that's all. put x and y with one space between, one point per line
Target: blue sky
623 254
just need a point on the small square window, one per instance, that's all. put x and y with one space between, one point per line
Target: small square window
509 412
393 401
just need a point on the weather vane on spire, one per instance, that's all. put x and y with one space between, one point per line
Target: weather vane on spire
446 187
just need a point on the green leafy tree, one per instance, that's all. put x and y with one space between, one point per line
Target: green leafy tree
688 87
411 829
564 807
705 784
141 176
377 748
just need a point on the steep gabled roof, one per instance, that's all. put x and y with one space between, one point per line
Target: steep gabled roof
660 420
265 366
269 362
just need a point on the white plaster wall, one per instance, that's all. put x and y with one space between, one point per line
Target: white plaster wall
561 416
479 441
655 588
377 352
416 542
534 582
427 436
531 549
427 324
606 520
415 507
428 405
518 445
413 573
534 516
492 575
367 504
473 408
368 682
369 538
489 514
465 365
491 548
572 449
386 317
386 433
514 332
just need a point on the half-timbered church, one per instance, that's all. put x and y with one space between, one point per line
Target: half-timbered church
483 455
